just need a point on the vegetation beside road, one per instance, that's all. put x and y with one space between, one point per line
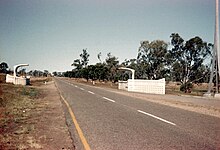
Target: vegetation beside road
31 117
16 103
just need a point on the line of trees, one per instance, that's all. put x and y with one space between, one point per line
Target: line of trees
180 61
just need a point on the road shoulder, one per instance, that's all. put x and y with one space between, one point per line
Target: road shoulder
33 121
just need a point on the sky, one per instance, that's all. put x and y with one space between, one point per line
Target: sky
51 34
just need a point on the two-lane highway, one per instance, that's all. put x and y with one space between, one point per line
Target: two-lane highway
107 120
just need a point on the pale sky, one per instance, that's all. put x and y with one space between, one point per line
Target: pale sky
50 34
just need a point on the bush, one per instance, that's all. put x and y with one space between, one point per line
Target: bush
186 87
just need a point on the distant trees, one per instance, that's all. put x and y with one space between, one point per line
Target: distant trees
38 73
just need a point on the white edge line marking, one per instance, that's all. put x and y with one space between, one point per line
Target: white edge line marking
109 99
156 117
82 89
91 92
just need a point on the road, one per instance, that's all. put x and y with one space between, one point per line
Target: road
110 121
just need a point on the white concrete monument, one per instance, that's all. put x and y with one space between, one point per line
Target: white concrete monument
142 86
15 79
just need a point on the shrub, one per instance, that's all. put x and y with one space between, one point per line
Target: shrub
186 87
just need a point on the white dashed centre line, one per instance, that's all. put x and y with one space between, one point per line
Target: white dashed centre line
91 92
156 117
76 86
109 99
82 89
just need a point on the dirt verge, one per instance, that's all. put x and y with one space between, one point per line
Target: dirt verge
32 117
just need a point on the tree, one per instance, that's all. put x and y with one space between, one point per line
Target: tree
77 63
101 71
81 65
46 73
188 57
112 65
99 57
54 73
3 67
84 58
152 59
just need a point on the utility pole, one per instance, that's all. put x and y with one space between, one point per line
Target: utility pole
215 54
216 44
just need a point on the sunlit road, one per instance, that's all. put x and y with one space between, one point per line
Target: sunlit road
113 121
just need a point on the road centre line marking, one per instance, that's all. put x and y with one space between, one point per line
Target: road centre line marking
82 89
91 92
109 99
80 133
76 86
156 117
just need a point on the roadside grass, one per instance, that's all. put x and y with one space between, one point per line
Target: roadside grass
197 90
37 81
16 103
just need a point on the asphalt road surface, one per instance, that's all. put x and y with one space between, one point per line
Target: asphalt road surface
110 121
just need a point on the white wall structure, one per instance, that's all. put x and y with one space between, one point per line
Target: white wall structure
15 79
123 85
9 79
144 86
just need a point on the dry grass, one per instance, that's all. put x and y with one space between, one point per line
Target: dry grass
16 103
2 78
37 81
197 90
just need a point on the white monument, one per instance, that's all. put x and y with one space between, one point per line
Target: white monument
15 79
142 86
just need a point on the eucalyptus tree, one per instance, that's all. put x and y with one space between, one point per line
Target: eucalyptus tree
81 64
84 58
188 58
112 65
151 59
